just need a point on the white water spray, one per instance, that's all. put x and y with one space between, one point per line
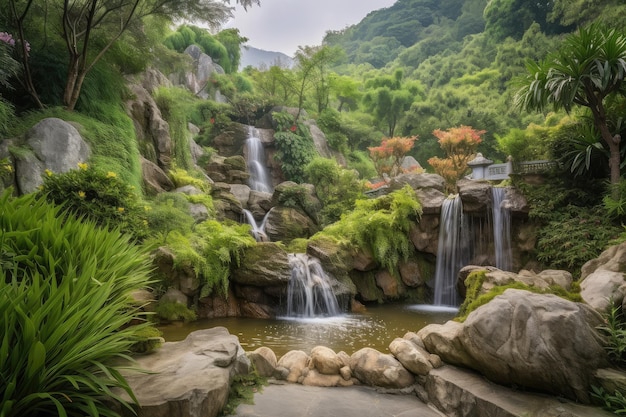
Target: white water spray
309 293
255 159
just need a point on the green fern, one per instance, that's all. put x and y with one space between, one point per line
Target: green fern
381 226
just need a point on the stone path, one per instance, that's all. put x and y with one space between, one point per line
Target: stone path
295 400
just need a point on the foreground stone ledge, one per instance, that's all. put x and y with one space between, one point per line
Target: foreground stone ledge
462 393
190 378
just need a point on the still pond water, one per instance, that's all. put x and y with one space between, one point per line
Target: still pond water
376 329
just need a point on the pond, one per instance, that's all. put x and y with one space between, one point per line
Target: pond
350 332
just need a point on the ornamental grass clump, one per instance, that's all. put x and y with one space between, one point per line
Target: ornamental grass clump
65 311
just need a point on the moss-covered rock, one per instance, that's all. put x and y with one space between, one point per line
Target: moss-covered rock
263 265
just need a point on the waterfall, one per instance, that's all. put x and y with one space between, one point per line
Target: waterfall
255 159
451 256
501 229
258 230
309 293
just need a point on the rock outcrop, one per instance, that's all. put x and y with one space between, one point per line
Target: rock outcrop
55 145
602 281
531 340
190 378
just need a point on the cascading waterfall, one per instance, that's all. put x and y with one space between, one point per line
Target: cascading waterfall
309 293
451 256
501 229
255 159
258 230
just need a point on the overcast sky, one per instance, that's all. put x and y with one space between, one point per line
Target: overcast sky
283 25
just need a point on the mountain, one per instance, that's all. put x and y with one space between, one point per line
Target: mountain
259 58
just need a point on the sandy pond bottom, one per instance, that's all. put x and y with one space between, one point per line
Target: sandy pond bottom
376 329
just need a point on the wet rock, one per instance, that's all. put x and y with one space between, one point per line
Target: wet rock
264 264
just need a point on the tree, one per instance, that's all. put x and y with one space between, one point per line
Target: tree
586 71
312 69
89 28
389 98
459 144
389 155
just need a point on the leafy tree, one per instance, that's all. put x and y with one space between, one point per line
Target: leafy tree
389 98
90 28
586 71
389 155
312 66
345 89
459 144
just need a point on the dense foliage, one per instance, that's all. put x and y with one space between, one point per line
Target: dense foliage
98 196
380 226
64 308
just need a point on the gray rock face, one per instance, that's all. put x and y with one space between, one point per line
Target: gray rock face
153 133
287 223
603 279
417 181
56 145
155 180
475 195
537 341
189 378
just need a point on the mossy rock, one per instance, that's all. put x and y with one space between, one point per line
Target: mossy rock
263 265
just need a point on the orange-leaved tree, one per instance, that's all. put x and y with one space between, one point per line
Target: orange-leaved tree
459 144
389 155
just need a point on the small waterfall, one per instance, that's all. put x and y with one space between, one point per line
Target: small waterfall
309 293
501 229
258 230
451 256
255 159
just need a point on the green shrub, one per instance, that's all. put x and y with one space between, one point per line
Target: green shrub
173 311
337 188
168 212
181 177
65 287
211 251
615 403
146 340
98 196
380 226
615 332
294 146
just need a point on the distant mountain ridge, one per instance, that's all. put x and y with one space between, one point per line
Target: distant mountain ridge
259 58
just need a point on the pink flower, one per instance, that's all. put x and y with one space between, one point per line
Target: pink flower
293 128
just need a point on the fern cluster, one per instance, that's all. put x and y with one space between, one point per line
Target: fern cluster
294 146
380 226
211 251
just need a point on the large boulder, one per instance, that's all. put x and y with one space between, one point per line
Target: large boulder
189 378
264 264
295 362
326 361
155 180
413 357
418 181
288 223
602 279
56 146
475 195
377 369
264 361
537 341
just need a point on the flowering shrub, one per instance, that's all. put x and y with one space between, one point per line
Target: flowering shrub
389 155
459 144
98 196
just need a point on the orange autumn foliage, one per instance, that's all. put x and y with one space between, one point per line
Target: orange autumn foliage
389 155
459 144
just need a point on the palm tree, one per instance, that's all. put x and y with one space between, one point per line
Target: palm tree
589 67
